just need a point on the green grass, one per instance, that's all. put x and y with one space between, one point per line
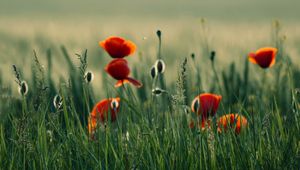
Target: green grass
35 135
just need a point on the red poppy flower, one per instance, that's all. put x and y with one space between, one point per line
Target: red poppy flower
117 47
119 70
264 57
206 104
232 120
101 110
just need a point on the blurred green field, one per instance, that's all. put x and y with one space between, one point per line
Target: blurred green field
151 132
230 40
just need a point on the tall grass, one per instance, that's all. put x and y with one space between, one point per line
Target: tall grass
148 134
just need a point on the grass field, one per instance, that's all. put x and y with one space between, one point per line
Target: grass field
151 131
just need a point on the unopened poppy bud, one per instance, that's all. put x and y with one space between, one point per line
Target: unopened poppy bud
158 91
158 33
114 104
195 105
89 77
297 91
57 102
160 66
153 72
186 110
127 136
212 55
23 88
193 56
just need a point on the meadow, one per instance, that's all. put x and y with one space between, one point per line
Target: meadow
44 124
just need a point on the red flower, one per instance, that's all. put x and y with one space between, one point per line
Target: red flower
100 112
264 57
117 47
119 70
232 119
206 104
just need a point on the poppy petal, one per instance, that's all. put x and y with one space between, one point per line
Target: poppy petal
119 83
118 47
118 69
273 57
231 121
252 58
134 82
131 46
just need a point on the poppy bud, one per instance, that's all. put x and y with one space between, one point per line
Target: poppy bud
57 102
297 91
160 66
23 88
158 33
158 91
212 56
127 136
193 56
186 110
195 105
114 104
153 72
89 76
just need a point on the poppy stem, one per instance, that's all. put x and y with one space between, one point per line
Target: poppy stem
87 102
264 82
217 77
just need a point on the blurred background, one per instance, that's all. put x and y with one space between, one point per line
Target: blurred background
232 28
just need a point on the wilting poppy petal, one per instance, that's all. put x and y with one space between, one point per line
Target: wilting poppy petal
118 47
264 57
101 110
206 104
129 80
232 120
134 82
